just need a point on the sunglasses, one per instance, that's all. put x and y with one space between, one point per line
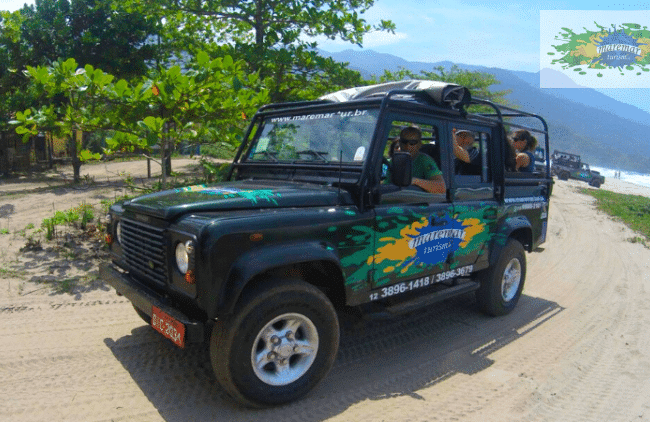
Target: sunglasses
409 141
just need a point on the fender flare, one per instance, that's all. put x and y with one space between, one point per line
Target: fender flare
518 228
258 260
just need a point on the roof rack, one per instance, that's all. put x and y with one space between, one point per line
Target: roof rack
442 93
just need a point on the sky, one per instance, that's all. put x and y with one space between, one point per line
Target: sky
503 34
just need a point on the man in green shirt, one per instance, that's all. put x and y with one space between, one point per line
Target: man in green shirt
425 172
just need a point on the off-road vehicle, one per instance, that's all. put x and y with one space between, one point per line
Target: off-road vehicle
569 166
308 226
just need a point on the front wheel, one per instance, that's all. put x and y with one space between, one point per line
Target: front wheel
278 346
501 285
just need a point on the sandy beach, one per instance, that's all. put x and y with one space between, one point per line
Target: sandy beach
620 186
577 348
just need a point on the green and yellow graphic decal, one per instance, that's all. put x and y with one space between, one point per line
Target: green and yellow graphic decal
254 196
626 47
408 244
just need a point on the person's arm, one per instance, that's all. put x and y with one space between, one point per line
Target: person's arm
460 152
434 185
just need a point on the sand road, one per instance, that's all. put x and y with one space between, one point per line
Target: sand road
575 349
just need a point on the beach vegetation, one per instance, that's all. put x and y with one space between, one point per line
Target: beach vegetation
633 210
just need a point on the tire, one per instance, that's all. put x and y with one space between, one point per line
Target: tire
595 183
501 285
563 175
281 342
146 318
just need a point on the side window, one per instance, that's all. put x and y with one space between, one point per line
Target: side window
473 166
430 144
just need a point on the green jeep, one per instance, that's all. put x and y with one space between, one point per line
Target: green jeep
569 166
308 226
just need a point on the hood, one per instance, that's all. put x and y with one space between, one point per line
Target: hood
232 196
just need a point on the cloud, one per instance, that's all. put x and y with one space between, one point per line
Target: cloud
12 5
370 40
379 38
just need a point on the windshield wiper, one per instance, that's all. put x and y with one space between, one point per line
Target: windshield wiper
316 154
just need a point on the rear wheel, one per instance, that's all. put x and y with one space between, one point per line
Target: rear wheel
278 346
564 175
501 285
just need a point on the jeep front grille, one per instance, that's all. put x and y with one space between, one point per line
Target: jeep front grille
143 249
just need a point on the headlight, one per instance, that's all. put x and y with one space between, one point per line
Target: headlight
118 232
183 252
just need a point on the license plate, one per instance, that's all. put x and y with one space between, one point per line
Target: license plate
168 326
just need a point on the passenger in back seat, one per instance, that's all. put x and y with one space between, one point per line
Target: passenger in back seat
525 145
468 157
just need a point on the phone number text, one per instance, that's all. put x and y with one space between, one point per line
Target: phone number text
407 286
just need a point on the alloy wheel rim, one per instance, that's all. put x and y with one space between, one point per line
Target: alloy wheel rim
511 280
284 349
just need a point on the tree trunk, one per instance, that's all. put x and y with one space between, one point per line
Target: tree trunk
73 149
163 161
168 160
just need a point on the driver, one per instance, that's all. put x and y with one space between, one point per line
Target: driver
426 174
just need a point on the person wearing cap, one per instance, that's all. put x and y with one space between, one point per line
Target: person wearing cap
468 157
525 145
425 172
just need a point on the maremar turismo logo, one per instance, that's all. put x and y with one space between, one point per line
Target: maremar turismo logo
595 55
605 48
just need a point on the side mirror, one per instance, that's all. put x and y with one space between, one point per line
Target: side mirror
400 171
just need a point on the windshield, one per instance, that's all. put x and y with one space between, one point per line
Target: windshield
323 137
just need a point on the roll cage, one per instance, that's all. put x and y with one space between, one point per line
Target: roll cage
361 178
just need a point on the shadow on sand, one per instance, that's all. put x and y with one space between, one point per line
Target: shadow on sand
376 360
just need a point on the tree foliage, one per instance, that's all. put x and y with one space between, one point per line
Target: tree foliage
15 93
92 32
90 65
478 83
274 38
207 101
100 33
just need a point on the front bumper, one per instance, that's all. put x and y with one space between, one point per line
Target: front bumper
144 298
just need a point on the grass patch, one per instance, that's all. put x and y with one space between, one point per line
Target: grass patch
65 285
633 210
6 272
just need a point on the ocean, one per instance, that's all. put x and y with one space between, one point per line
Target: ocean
627 176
